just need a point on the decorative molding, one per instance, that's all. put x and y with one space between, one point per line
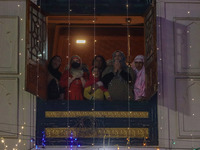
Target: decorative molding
97 132
9 30
187 104
9 94
97 114
186 31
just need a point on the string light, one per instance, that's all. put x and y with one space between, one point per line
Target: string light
43 139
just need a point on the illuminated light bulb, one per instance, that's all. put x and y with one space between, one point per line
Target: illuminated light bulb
159 26
16 144
191 80
23 108
2 141
192 114
22 127
22 88
20 133
24 122
20 54
130 112
70 9
190 46
92 144
190 134
188 12
93 21
188 31
160 128
18 5
193 99
6 146
20 73
95 40
157 48
22 39
157 149
24 144
144 144
127 6
19 140
158 82
67 57
160 59
21 19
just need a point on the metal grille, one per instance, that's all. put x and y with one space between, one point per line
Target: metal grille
37 34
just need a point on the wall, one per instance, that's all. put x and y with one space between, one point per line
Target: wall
17 117
178 28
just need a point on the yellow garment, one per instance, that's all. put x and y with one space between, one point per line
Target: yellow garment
97 95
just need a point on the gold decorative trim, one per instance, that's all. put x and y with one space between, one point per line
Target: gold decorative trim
97 114
97 132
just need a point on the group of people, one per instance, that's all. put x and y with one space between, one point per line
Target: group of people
103 81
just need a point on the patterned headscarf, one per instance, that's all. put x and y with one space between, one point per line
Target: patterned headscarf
123 61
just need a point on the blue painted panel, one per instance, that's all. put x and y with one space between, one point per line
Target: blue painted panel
149 106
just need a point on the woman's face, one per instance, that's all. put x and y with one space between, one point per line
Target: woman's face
95 72
118 56
138 65
56 62
98 62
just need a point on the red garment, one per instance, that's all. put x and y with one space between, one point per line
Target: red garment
75 90
92 80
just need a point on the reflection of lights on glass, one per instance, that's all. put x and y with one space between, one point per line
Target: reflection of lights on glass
80 41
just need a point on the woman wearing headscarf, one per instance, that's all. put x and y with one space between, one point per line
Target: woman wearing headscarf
139 86
54 91
100 63
118 78
74 79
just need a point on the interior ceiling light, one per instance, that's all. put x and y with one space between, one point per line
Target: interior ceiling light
80 41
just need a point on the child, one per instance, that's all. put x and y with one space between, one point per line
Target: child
99 93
